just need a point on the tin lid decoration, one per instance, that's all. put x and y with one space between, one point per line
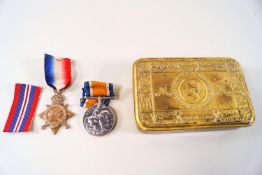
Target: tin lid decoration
190 93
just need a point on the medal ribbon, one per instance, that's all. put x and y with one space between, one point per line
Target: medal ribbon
23 108
57 72
96 89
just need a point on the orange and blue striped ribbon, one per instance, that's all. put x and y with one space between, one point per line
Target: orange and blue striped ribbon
96 89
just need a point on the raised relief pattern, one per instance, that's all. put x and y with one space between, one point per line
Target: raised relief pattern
183 92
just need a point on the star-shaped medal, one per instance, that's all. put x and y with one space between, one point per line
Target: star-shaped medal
56 114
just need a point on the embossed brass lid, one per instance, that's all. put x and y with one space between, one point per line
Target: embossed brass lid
190 93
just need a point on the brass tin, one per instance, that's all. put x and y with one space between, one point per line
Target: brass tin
190 93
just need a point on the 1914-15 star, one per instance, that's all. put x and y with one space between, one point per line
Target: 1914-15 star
56 114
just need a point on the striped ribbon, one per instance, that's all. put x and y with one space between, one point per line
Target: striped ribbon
23 108
57 72
96 89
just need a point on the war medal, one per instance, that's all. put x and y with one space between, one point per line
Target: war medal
99 119
58 76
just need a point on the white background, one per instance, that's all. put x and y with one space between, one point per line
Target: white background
104 38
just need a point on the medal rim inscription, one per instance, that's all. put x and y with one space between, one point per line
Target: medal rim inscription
137 104
113 116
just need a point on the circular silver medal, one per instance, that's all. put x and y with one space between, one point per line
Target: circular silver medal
99 119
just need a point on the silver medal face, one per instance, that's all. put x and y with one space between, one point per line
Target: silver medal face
99 120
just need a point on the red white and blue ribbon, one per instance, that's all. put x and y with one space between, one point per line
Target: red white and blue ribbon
57 72
23 108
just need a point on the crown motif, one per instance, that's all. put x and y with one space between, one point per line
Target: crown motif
57 99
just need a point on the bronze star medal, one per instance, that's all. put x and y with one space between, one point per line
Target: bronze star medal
56 114
58 76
